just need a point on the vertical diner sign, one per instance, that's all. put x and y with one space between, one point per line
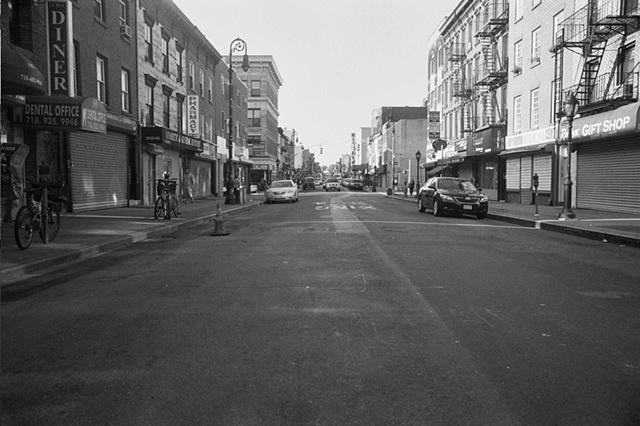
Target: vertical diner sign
60 48
193 121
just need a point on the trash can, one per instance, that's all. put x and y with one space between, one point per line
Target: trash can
236 192
389 191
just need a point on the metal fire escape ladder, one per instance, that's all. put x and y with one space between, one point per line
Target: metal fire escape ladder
593 51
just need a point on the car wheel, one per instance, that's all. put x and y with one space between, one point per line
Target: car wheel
437 211
481 215
421 207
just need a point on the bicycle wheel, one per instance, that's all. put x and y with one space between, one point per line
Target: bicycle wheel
159 211
23 227
53 223
167 207
175 205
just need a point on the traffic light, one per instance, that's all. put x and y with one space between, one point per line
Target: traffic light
320 150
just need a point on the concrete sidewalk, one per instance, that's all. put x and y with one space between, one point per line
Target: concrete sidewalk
88 234
611 227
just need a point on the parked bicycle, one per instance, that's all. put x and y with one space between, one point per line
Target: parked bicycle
30 217
167 200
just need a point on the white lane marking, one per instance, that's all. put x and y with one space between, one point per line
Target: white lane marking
402 223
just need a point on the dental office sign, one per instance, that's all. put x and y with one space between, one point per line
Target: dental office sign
59 37
622 121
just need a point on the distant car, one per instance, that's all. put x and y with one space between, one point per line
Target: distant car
281 190
452 195
355 184
332 184
318 182
345 182
308 183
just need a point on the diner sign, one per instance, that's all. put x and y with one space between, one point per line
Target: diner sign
59 46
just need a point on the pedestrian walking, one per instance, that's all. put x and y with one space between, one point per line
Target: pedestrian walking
189 185
411 185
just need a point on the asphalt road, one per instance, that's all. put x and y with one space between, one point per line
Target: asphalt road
343 309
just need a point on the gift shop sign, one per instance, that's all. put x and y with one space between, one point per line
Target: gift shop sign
618 122
59 47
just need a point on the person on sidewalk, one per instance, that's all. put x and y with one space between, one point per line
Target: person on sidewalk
190 184
411 185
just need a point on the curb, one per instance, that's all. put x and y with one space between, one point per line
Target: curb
553 226
18 274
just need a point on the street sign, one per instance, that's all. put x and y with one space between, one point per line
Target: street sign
439 144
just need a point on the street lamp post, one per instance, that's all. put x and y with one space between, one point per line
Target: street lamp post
570 109
418 156
237 45
277 168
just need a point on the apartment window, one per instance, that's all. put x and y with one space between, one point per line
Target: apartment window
126 90
202 124
166 109
224 123
517 54
253 114
101 79
627 65
210 128
535 108
180 114
518 10
165 53
148 40
148 106
98 10
192 76
557 30
535 3
179 63
535 46
124 12
210 92
75 69
517 114
201 75
255 88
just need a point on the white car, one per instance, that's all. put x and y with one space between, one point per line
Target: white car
332 184
281 190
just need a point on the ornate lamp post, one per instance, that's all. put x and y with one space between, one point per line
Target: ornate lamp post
237 45
570 109
418 157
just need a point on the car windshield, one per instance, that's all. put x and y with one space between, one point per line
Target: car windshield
308 180
456 185
356 181
282 184
332 180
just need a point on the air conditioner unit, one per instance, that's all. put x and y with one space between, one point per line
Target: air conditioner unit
125 30
627 90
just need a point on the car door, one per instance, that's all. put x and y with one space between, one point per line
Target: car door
431 191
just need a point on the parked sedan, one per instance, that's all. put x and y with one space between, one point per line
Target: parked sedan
281 190
332 184
452 195
355 184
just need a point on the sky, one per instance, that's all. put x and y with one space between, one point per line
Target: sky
339 59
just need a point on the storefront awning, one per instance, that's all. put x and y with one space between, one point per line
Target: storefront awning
436 170
57 113
19 75
170 139
525 149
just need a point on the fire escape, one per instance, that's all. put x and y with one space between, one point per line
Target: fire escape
493 72
460 86
598 32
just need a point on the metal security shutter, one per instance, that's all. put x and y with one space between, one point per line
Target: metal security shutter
513 173
608 176
98 170
542 167
526 196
